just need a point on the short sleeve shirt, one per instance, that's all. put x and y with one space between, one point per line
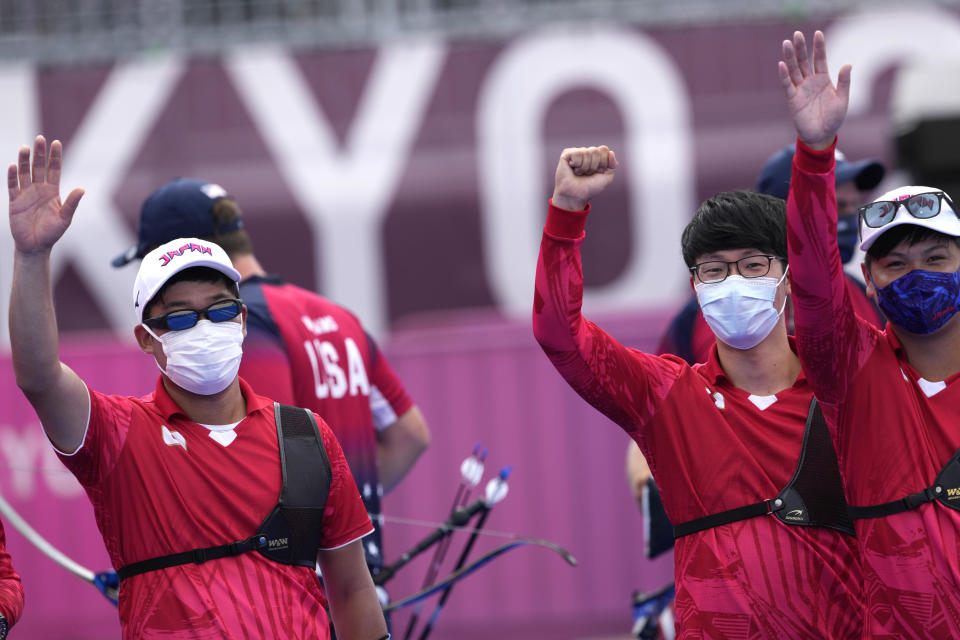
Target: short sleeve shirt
160 484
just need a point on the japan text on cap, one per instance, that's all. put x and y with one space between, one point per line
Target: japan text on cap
171 258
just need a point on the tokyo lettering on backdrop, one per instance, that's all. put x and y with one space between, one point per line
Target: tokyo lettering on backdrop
406 184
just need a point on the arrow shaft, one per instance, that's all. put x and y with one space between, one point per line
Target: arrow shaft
461 561
440 553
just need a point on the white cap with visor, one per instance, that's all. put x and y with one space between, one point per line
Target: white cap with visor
171 258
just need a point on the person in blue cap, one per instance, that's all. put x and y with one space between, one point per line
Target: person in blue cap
855 181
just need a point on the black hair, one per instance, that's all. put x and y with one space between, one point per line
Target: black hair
910 233
193 274
737 220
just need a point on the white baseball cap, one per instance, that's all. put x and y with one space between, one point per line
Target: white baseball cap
945 222
171 258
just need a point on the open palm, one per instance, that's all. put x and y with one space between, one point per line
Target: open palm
37 215
817 107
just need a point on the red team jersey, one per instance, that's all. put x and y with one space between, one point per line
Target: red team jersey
160 484
304 350
893 430
11 590
711 447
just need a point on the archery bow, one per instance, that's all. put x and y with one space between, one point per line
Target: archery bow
458 575
471 472
106 581
495 492
457 521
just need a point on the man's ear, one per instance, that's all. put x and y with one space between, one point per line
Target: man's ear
871 290
693 287
243 316
144 339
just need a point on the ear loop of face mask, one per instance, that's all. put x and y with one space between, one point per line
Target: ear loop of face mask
779 282
150 331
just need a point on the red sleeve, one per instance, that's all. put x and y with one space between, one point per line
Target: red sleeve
344 518
832 341
624 384
266 367
11 590
103 440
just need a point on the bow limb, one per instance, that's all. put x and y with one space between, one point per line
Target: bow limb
462 573
101 581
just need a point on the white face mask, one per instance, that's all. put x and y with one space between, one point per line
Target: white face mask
740 310
205 358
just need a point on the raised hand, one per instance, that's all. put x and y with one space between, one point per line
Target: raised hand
582 173
37 216
815 104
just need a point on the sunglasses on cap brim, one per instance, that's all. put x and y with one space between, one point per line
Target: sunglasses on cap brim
921 206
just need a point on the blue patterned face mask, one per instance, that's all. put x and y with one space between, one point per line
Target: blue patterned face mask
921 301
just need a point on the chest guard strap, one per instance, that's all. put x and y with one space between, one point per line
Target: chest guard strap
293 528
291 533
946 490
813 497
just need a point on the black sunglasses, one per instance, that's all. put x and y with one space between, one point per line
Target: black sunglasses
921 206
181 319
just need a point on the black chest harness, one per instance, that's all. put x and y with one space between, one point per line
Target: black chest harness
946 490
813 497
291 533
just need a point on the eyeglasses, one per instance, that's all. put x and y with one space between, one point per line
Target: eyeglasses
718 270
921 205
181 319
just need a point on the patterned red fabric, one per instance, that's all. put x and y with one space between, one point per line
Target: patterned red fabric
711 447
893 430
11 590
160 484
